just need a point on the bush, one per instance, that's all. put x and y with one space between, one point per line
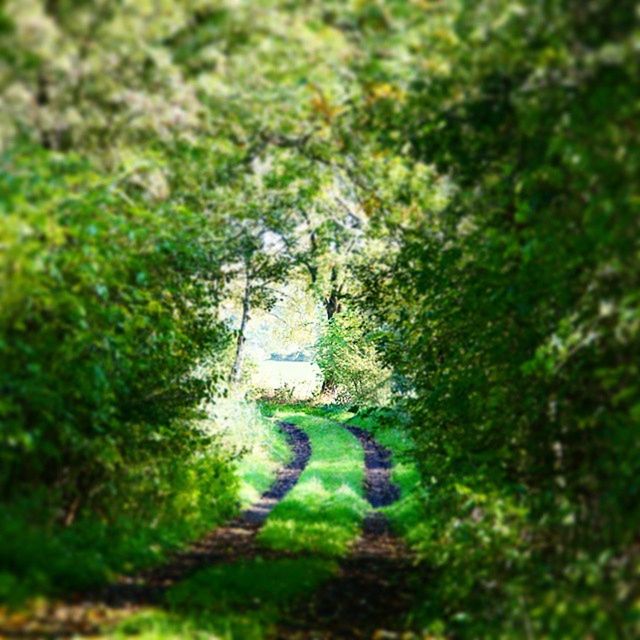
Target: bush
509 301
349 363
104 314
107 351
157 509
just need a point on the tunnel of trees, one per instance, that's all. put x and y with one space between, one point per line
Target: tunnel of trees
455 184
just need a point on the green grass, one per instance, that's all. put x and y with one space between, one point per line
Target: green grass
270 583
407 515
323 513
257 469
156 624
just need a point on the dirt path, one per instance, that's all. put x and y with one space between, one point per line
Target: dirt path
287 478
367 598
373 590
231 542
379 490
84 614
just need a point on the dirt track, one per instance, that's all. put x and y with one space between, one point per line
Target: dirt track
373 590
366 599
230 542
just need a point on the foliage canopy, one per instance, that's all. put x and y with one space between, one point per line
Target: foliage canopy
458 182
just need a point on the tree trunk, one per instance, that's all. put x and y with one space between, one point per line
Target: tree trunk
332 304
236 370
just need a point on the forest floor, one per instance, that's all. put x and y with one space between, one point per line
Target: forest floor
315 557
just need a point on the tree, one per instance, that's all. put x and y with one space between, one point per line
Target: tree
349 362
506 295
260 270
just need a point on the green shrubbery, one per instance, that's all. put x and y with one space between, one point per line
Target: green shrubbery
159 507
476 164
105 314
349 363
509 304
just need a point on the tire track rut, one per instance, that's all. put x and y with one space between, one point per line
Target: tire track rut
373 590
379 490
230 542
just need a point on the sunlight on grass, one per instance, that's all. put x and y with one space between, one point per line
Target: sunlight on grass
303 379
324 512
257 471
322 515
155 624
406 515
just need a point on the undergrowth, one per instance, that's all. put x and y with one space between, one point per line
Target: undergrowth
165 507
156 509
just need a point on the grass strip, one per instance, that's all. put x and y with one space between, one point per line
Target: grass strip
324 511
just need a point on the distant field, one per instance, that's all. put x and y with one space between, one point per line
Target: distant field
303 377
